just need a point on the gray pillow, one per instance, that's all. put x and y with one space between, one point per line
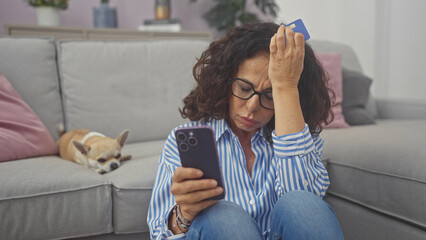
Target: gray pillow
356 91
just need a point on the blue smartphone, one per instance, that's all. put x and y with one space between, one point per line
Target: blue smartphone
197 149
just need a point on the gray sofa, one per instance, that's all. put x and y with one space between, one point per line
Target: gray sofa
377 175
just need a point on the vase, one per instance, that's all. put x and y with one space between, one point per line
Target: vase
48 16
162 9
105 16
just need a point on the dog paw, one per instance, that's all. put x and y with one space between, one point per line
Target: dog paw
100 171
126 157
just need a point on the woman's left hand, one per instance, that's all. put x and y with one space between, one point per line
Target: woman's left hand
286 58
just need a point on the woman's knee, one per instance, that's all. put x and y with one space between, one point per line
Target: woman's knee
225 219
296 200
305 214
225 214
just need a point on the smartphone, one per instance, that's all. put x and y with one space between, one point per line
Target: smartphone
197 149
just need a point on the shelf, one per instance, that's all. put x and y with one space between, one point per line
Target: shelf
59 33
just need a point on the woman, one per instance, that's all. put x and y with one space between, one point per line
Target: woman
263 92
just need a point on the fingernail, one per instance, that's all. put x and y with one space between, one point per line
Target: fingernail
219 190
213 183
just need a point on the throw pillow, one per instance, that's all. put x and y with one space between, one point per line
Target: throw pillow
331 62
356 91
22 134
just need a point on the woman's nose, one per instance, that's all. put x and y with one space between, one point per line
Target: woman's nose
253 103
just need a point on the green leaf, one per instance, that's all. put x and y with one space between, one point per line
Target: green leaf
267 7
226 14
61 4
247 17
221 17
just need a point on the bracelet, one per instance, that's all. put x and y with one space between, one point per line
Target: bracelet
176 224
184 220
182 223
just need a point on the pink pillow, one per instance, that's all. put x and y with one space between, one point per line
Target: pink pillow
22 134
331 63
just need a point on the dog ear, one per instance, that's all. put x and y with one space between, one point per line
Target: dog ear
122 138
84 149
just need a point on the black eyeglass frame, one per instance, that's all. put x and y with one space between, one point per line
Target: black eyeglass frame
251 95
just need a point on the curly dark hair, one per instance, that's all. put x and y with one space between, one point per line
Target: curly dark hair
219 64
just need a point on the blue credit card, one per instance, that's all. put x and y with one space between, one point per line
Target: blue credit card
299 27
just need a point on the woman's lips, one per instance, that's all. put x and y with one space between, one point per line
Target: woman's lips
248 121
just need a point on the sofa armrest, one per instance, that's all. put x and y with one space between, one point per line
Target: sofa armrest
401 109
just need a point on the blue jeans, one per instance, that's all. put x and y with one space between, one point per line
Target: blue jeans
297 215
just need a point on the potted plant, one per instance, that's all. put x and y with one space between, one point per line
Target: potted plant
48 11
226 14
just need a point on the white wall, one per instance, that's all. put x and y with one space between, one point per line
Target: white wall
385 34
345 21
407 49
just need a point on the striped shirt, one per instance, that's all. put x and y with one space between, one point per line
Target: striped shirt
293 162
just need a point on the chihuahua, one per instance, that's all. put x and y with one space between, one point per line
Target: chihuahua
92 149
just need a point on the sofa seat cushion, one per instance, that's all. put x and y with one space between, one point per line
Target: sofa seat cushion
132 186
381 167
51 198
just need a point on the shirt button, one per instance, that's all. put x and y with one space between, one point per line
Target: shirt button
305 182
251 202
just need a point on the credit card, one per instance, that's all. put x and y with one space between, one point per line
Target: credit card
299 27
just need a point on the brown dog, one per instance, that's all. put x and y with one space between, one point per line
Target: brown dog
93 150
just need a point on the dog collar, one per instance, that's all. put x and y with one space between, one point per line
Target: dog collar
91 134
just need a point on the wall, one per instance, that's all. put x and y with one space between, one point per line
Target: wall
387 35
131 13
404 62
349 22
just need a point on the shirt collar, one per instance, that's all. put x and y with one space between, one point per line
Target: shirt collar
221 127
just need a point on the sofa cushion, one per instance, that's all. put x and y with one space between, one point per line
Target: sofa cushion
33 74
331 62
51 198
360 223
349 61
132 186
380 167
356 91
22 134
111 86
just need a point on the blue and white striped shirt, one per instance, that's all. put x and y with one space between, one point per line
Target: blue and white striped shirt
292 163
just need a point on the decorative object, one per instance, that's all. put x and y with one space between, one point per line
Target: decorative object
48 11
60 4
162 21
105 16
162 9
227 14
22 133
48 16
166 25
331 62
356 93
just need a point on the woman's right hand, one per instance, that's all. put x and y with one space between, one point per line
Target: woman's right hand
191 192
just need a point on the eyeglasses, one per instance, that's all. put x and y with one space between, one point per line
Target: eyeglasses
243 89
